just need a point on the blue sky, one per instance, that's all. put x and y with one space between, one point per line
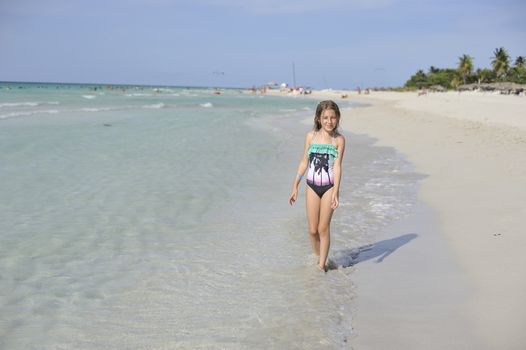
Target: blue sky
333 43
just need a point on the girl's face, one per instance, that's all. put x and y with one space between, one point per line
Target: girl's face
328 120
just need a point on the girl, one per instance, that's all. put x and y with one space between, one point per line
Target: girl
322 158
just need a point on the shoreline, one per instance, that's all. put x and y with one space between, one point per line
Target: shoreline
471 147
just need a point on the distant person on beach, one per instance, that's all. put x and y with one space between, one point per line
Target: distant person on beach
322 159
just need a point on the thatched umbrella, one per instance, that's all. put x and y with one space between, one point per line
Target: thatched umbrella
488 86
507 87
468 87
437 88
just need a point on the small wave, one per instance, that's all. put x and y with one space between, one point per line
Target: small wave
155 106
89 97
206 105
162 90
87 109
138 94
26 104
27 113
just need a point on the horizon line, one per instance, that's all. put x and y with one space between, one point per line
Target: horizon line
121 84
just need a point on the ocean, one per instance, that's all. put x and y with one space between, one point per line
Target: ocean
158 217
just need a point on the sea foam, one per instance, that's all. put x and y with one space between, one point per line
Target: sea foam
155 106
26 104
28 113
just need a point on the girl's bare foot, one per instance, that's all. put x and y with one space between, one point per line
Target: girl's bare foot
331 265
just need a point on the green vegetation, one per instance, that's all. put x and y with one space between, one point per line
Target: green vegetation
451 78
500 63
465 67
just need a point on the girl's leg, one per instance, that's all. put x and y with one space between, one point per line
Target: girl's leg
324 226
313 216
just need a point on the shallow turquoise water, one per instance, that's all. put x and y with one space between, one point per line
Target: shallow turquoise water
158 217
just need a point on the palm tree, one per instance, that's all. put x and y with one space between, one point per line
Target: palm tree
325 164
465 66
500 62
520 62
433 69
418 79
318 166
313 162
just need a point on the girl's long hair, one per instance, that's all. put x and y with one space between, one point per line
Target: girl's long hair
322 106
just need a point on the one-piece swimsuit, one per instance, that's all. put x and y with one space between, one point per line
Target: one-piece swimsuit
320 175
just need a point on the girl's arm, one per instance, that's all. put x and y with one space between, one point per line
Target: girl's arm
301 169
338 172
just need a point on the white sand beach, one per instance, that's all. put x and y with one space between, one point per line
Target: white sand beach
460 284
